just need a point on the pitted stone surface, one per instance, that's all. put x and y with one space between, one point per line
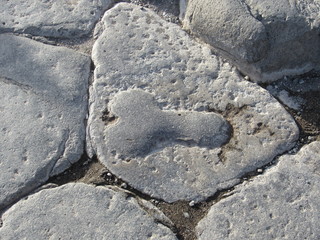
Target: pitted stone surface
43 92
137 51
144 128
283 203
80 211
265 39
63 18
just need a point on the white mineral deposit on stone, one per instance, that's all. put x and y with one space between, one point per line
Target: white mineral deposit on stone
291 102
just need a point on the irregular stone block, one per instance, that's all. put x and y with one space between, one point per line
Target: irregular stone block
43 92
282 203
64 18
149 71
80 211
265 40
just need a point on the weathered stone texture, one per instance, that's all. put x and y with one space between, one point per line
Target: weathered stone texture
43 108
149 71
266 40
282 203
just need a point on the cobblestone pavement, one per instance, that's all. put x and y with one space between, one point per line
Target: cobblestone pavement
159 119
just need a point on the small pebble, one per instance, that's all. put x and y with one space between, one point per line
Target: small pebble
85 163
247 78
155 201
123 185
186 215
259 170
191 204
109 174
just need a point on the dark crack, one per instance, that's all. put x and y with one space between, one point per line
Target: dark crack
61 149
24 87
258 17
108 118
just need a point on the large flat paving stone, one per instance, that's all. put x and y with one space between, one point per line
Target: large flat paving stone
265 39
80 211
63 18
170 118
43 105
283 203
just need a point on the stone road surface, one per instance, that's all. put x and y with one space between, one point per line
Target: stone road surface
120 121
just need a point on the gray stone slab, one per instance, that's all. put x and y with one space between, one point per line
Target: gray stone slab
170 118
43 92
265 39
80 211
64 18
283 203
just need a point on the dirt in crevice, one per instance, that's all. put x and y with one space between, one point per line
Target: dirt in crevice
229 113
89 171
108 118
307 117
184 215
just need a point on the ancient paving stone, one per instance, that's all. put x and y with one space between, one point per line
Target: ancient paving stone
64 18
283 203
265 39
80 211
43 92
170 118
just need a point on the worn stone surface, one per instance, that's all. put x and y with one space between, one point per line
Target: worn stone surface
266 40
64 18
43 92
80 211
137 53
143 128
283 203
